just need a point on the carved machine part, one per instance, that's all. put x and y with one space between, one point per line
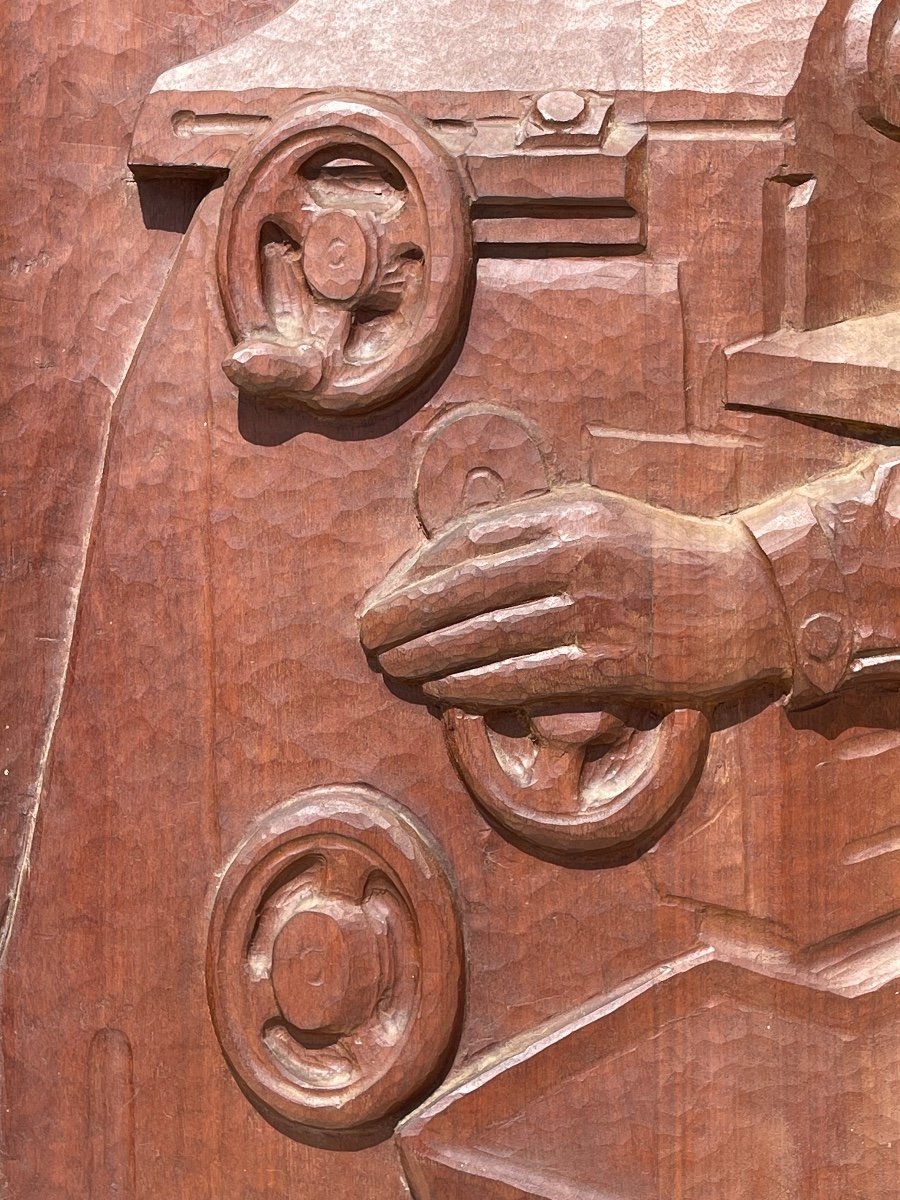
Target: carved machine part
685 218
345 256
335 961
589 781
872 61
683 61
498 1129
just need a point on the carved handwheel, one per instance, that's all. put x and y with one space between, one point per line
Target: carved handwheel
579 782
334 967
344 257
595 782
872 60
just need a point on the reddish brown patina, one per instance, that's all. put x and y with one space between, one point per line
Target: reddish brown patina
452 594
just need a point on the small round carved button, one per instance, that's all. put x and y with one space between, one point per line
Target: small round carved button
561 107
326 970
335 966
821 635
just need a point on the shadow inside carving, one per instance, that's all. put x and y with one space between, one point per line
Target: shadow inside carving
169 202
860 431
600 860
542 250
743 707
865 709
361 1138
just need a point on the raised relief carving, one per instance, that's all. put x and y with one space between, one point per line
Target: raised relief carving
335 962
828 351
872 61
682 1119
627 554
344 256
557 764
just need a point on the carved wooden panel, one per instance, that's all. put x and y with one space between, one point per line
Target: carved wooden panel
453 683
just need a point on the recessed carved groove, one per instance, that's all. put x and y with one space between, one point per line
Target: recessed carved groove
570 207
188 124
545 250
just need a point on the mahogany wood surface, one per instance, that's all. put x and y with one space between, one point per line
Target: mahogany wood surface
451 600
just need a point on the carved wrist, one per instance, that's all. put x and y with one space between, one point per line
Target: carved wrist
811 588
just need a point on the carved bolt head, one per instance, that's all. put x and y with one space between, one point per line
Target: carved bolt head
821 636
561 108
335 255
325 969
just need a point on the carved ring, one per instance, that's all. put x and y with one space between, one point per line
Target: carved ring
872 60
581 783
335 964
588 783
344 256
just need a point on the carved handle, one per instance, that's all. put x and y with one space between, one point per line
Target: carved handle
584 783
334 966
344 257
558 797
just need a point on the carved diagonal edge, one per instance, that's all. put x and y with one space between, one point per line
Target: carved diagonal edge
846 372
491 1065
93 510
448 1151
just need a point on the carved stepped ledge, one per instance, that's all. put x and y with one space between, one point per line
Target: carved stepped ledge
849 372
651 1095
683 61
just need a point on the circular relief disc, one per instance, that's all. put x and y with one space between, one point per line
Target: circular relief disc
290 178
335 961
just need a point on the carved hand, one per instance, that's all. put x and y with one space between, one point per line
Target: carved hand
581 594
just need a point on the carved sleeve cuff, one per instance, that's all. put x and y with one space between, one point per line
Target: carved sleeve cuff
813 593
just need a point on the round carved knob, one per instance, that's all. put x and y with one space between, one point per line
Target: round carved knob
335 964
326 969
561 107
345 256
335 255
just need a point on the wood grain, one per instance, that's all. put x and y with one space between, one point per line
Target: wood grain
453 668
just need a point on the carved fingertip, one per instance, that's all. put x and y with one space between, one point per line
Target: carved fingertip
372 631
436 689
398 663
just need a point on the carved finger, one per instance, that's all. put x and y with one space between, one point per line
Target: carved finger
505 528
489 532
468 590
560 673
491 637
